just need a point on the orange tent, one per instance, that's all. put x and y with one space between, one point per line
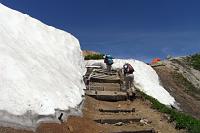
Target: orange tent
155 60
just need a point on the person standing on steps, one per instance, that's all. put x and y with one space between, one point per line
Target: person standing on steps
129 79
108 59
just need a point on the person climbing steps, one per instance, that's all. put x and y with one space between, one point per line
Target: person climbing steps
108 59
129 79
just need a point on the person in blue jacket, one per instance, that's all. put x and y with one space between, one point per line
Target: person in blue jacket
108 59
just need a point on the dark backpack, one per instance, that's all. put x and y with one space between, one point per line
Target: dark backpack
108 60
128 68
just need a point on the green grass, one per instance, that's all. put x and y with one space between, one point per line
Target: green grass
182 120
94 57
194 61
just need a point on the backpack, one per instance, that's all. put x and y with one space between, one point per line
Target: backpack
128 68
108 60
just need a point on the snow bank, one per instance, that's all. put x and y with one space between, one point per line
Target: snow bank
41 69
146 78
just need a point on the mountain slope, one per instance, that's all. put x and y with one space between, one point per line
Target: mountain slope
182 82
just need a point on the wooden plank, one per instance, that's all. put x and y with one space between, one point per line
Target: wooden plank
105 71
104 76
107 95
104 88
94 73
93 67
101 88
99 80
117 110
114 121
106 79
138 131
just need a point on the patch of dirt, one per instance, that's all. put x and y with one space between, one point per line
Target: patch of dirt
143 110
85 124
151 119
188 103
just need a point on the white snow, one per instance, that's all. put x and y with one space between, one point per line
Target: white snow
146 78
41 68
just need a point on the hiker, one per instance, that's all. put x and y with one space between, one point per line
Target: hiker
129 78
109 61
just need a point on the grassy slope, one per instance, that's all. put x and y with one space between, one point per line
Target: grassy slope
194 61
182 120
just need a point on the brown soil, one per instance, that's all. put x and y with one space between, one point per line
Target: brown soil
86 124
188 103
156 120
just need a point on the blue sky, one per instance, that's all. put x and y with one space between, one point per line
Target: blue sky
141 29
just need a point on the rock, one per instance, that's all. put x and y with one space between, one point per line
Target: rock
167 117
144 121
119 124
129 102
119 106
70 128
158 131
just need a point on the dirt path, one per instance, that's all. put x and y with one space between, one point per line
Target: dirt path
155 119
143 118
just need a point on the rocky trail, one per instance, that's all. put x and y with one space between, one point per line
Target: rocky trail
113 109
107 109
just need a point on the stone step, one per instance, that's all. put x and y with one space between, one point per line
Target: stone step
107 95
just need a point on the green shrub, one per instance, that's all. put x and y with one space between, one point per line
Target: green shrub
94 57
194 61
182 120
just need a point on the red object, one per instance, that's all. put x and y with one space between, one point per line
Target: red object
155 60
